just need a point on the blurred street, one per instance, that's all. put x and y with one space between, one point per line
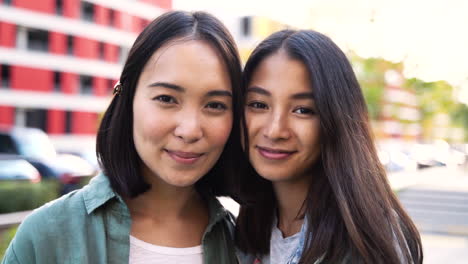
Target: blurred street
437 201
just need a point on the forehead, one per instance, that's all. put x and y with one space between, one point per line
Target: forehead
279 73
184 61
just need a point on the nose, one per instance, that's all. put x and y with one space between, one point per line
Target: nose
277 127
189 127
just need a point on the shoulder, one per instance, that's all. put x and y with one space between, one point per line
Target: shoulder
40 229
218 242
70 209
219 214
56 223
53 213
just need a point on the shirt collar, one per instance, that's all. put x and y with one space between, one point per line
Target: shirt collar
98 192
217 213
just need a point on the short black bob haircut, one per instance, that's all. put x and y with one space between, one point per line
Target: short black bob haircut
115 148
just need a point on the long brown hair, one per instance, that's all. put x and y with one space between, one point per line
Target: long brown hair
352 213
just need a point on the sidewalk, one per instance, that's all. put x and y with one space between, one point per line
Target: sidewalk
444 249
449 178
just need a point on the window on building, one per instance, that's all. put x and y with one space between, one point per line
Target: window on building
21 37
246 26
101 50
7 145
87 11
123 53
69 45
144 23
110 86
37 39
86 84
57 81
59 7
68 122
111 17
5 75
36 118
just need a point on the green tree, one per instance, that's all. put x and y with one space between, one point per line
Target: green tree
434 98
460 117
371 76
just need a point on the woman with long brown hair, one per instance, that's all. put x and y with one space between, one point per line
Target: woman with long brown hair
317 192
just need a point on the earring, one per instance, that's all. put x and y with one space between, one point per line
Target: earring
117 89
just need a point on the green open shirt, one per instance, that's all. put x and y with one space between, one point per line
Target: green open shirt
92 225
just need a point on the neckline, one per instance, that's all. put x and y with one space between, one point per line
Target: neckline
165 250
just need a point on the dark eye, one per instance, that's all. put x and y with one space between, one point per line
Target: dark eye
216 106
304 111
257 105
165 99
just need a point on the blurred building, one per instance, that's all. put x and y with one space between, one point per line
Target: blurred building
250 31
59 60
401 115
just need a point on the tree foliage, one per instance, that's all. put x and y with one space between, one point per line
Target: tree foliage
371 76
433 97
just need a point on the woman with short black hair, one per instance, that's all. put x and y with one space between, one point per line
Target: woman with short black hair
317 192
166 146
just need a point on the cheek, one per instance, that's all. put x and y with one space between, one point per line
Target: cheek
310 135
254 124
148 124
219 130
138 121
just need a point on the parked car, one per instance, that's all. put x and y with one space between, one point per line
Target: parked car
397 160
87 155
438 154
34 146
15 168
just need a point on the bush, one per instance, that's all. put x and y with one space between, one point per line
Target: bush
21 196
5 238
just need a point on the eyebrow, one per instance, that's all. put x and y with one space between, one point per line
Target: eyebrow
179 88
306 95
259 90
168 85
219 93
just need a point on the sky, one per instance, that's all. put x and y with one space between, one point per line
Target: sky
428 36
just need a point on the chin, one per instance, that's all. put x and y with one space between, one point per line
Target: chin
180 179
183 183
274 175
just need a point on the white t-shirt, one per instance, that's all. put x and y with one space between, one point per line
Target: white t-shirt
281 249
146 253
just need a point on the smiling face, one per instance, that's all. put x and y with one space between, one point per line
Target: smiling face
182 113
283 127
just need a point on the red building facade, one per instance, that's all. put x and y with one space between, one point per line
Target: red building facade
59 59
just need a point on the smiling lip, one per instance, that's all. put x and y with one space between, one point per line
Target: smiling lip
184 157
274 154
